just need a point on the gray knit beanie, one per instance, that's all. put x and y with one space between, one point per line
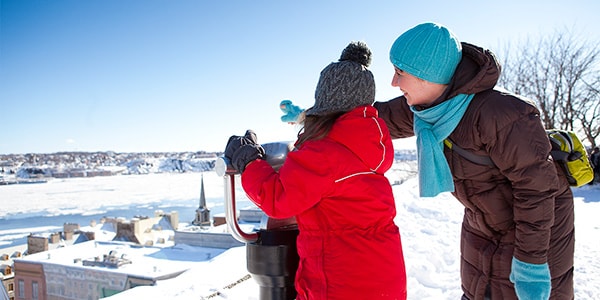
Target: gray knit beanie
345 84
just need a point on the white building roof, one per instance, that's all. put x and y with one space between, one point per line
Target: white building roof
146 262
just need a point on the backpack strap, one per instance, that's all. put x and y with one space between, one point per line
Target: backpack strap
557 153
472 157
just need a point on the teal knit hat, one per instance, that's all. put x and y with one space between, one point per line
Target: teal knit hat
428 51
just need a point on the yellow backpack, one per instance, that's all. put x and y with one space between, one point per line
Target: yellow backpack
571 155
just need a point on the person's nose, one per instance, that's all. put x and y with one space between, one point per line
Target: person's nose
396 80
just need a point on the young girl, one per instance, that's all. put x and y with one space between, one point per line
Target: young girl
334 184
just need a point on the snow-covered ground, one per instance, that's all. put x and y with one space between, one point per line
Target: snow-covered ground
429 228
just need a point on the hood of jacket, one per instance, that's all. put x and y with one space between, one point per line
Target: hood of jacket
478 70
363 133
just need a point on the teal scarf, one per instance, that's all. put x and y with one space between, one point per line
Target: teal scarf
432 126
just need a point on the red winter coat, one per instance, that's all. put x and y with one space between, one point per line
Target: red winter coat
349 246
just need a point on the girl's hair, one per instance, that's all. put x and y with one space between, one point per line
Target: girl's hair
316 127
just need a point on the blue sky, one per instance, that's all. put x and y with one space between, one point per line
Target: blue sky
147 75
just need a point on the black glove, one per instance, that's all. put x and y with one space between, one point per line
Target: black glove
241 150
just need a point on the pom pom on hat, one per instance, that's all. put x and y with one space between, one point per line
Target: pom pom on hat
345 84
428 51
358 52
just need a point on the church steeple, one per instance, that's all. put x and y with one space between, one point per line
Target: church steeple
202 213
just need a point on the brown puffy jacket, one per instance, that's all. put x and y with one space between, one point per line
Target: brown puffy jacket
519 207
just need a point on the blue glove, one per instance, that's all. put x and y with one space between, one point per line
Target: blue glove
532 281
291 111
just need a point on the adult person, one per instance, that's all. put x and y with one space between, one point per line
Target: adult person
517 237
334 184
595 161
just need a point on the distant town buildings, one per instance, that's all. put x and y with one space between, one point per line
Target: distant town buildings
115 254
73 264
90 270
34 167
